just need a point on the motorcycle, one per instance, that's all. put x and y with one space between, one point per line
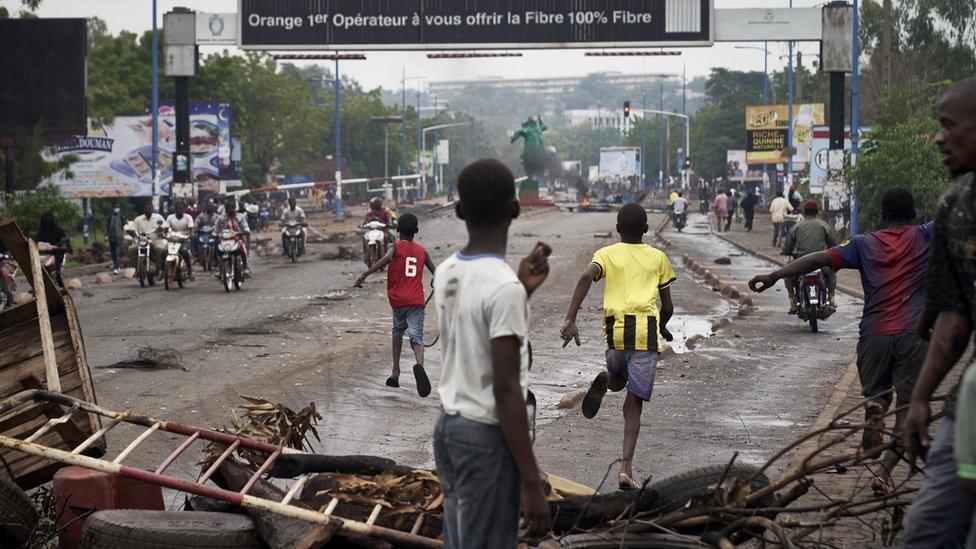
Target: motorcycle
205 242
145 259
177 270
50 260
374 240
8 270
680 220
230 261
253 217
294 245
811 295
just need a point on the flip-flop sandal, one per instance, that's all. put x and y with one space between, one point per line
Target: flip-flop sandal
625 483
423 382
392 382
594 395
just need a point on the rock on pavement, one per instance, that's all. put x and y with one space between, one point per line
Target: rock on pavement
104 278
73 284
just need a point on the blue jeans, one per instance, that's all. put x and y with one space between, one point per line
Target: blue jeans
115 249
942 511
480 482
410 321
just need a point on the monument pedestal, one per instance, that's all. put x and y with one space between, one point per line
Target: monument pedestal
529 190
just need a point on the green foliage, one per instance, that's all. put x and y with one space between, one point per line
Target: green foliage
30 167
903 154
27 208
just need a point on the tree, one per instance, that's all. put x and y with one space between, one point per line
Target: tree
901 152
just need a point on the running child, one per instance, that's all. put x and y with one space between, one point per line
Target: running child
636 275
405 289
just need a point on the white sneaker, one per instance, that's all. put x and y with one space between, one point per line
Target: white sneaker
116 271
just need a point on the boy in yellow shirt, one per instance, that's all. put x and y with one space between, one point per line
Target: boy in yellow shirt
636 275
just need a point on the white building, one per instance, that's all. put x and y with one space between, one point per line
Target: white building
603 118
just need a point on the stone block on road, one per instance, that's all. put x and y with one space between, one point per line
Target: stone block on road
129 272
104 278
73 284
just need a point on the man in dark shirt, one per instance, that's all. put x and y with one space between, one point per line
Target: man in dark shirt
808 236
893 263
941 513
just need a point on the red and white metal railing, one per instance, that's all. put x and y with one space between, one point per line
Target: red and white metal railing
199 486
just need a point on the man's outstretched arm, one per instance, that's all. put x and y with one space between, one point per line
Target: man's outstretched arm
803 265
570 332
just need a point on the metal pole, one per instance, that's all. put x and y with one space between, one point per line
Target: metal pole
154 161
386 151
644 183
766 102
437 160
338 143
684 104
789 118
855 112
660 143
403 126
420 169
86 219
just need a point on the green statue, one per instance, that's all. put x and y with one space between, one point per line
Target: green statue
534 151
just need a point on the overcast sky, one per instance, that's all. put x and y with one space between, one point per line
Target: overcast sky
384 68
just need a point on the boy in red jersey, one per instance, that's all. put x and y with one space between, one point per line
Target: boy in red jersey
405 289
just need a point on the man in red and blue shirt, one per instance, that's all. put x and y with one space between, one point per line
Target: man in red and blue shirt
405 289
893 263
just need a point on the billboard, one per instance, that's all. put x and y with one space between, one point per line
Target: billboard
772 24
619 161
115 161
472 24
42 77
766 131
738 168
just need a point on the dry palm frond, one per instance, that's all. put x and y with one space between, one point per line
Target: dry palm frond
399 492
266 421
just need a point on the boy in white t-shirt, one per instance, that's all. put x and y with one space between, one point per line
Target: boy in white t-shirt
482 447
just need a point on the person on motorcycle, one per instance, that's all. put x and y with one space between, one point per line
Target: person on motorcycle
149 223
378 212
236 222
679 206
205 222
810 235
181 222
49 232
293 213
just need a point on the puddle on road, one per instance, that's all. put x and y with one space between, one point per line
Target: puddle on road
685 327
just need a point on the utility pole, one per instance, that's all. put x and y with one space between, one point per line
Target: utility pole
338 142
181 63
684 106
154 161
799 81
660 146
855 114
643 123
403 127
789 116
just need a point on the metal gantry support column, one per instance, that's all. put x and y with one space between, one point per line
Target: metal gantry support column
154 162
855 114
338 142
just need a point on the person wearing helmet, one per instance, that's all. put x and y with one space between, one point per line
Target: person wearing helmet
810 235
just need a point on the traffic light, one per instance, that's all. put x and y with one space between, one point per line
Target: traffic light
626 109
688 163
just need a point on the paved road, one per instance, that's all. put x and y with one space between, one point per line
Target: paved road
300 333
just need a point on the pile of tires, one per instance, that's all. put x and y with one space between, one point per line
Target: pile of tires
130 529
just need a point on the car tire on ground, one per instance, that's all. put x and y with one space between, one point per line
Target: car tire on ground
130 529
18 516
676 491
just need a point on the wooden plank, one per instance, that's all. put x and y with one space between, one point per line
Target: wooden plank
44 320
11 375
27 334
18 314
19 420
81 360
30 347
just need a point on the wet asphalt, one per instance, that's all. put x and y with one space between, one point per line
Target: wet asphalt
299 334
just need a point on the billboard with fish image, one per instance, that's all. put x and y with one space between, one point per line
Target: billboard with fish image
115 161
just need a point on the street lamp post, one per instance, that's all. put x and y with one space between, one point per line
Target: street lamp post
789 118
386 121
154 102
